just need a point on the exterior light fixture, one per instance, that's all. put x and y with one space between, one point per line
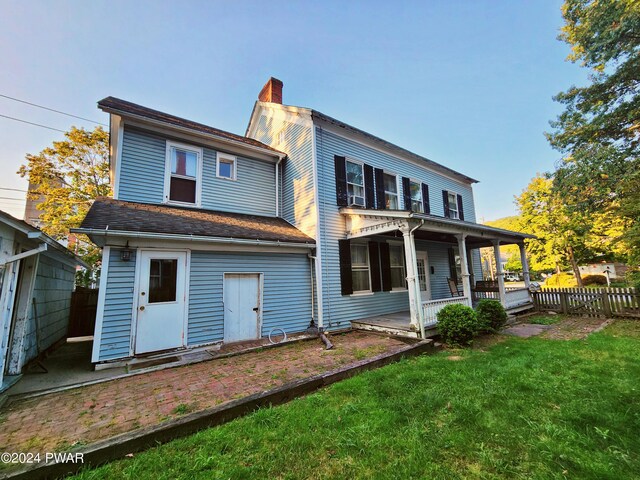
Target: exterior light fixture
125 255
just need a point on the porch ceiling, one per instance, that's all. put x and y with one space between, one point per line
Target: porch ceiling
365 222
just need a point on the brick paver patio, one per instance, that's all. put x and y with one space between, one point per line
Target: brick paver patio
58 421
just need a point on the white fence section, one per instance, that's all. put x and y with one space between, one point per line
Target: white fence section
431 308
516 297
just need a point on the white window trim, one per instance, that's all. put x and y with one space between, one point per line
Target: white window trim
167 173
412 180
355 162
366 248
233 159
398 187
404 265
455 209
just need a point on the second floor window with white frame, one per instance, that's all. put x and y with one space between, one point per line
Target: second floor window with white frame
453 206
391 192
226 166
416 197
355 183
183 174
398 274
360 270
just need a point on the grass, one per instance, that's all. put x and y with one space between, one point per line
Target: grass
544 319
521 409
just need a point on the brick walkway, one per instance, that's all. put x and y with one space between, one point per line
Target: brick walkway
84 415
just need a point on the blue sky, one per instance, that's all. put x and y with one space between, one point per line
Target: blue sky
468 84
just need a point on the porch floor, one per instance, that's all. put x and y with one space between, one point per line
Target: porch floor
398 323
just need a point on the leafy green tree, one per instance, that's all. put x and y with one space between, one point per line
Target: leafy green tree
70 175
599 131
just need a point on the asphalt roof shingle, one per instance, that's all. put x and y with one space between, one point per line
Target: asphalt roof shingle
118 215
116 104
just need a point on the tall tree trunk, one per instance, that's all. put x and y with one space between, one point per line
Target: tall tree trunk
574 265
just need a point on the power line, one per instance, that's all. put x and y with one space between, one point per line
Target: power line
52 110
16 199
31 123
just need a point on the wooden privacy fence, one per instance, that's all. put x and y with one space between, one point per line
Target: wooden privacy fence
592 302
82 317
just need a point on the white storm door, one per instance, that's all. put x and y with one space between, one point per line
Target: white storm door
161 301
241 306
423 275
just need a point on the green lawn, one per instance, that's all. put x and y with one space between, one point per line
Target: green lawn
519 409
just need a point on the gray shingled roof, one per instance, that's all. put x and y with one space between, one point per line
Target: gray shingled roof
116 105
121 216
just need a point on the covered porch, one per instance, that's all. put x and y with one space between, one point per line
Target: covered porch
464 286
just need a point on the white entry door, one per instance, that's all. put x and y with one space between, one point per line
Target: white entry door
161 301
241 306
423 275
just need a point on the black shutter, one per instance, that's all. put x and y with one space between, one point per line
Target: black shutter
346 280
385 264
425 198
341 181
445 202
378 173
460 210
453 271
369 195
406 193
374 264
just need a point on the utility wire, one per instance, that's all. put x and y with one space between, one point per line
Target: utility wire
31 123
51 109
16 199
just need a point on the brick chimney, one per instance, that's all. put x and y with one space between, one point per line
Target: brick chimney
271 92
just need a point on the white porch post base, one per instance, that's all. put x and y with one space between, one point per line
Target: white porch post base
415 302
499 273
466 282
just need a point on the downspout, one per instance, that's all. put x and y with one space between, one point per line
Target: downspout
417 284
321 334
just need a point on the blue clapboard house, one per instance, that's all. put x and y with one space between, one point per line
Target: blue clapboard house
304 221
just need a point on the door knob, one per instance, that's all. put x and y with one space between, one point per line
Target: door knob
142 308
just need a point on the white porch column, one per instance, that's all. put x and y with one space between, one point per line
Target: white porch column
462 251
499 273
415 302
525 265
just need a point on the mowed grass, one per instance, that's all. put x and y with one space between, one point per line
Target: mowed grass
529 409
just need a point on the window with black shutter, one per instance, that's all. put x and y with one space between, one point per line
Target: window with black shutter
344 253
406 193
445 203
425 198
374 263
378 174
341 180
369 191
385 267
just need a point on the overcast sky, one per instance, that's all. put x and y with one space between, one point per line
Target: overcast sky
468 84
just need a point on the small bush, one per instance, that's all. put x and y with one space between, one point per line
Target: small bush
633 278
561 280
491 315
594 280
457 324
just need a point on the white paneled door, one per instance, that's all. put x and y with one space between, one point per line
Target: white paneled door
161 301
422 261
241 306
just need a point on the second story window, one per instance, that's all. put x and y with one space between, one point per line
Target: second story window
183 174
355 184
416 197
226 166
391 192
453 206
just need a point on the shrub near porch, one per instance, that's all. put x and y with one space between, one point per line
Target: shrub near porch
523 409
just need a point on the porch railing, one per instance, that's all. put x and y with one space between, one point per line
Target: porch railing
431 308
516 297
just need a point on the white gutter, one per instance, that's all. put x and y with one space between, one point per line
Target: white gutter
190 238
41 248
56 246
265 151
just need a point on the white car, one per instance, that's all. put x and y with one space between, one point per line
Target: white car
511 278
